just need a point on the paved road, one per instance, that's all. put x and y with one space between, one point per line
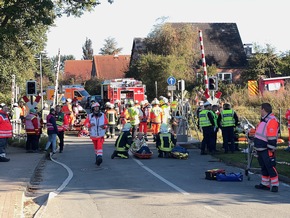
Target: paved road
148 188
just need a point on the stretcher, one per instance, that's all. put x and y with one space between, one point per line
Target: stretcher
250 151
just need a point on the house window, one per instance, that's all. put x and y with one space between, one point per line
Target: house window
225 77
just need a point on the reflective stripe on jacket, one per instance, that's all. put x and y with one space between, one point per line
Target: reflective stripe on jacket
5 125
267 133
227 118
203 118
166 142
32 124
124 141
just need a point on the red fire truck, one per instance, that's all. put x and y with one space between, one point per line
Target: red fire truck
124 89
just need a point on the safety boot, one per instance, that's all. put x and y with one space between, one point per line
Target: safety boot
262 187
99 160
274 189
4 159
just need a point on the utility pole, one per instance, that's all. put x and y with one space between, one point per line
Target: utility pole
55 98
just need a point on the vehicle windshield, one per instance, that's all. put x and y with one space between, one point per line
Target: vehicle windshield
84 93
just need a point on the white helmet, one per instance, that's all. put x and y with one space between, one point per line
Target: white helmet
127 127
95 105
111 106
165 100
164 128
69 100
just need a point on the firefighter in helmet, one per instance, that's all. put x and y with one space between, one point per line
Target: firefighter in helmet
111 115
165 141
123 143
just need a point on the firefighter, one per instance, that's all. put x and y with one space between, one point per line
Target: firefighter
123 143
174 107
287 116
227 121
166 110
97 123
133 116
111 115
165 141
68 112
155 116
144 117
207 124
265 143
23 112
32 128
5 132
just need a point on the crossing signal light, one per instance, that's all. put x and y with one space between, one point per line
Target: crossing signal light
213 83
31 88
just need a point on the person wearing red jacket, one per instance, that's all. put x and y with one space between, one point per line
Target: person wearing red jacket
287 116
265 143
5 132
32 128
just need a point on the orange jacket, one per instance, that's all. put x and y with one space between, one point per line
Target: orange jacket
156 115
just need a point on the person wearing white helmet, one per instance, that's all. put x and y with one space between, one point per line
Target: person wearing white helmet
97 123
165 141
16 111
123 143
155 117
144 118
166 111
207 124
111 115
133 116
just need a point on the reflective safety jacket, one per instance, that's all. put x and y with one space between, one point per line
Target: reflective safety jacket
204 119
60 121
156 114
5 125
133 115
165 141
51 124
267 133
32 124
111 116
227 118
124 141
98 130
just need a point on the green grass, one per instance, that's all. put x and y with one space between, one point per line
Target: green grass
239 159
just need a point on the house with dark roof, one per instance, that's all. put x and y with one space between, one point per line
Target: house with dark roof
222 45
102 67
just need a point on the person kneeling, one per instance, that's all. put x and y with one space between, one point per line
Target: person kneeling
165 141
123 143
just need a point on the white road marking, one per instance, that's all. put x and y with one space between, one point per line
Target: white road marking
161 178
53 194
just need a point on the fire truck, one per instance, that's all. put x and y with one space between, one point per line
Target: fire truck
124 89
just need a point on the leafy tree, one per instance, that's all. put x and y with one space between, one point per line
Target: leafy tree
23 27
170 53
284 66
88 51
264 63
93 86
110 47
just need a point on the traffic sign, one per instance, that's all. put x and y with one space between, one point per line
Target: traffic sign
171 81
171 88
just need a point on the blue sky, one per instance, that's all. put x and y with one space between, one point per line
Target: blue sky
258 21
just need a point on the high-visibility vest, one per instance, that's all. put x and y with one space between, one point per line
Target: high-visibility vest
166 142
203 118
5 125
266 130
111 116
227 118
156 114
